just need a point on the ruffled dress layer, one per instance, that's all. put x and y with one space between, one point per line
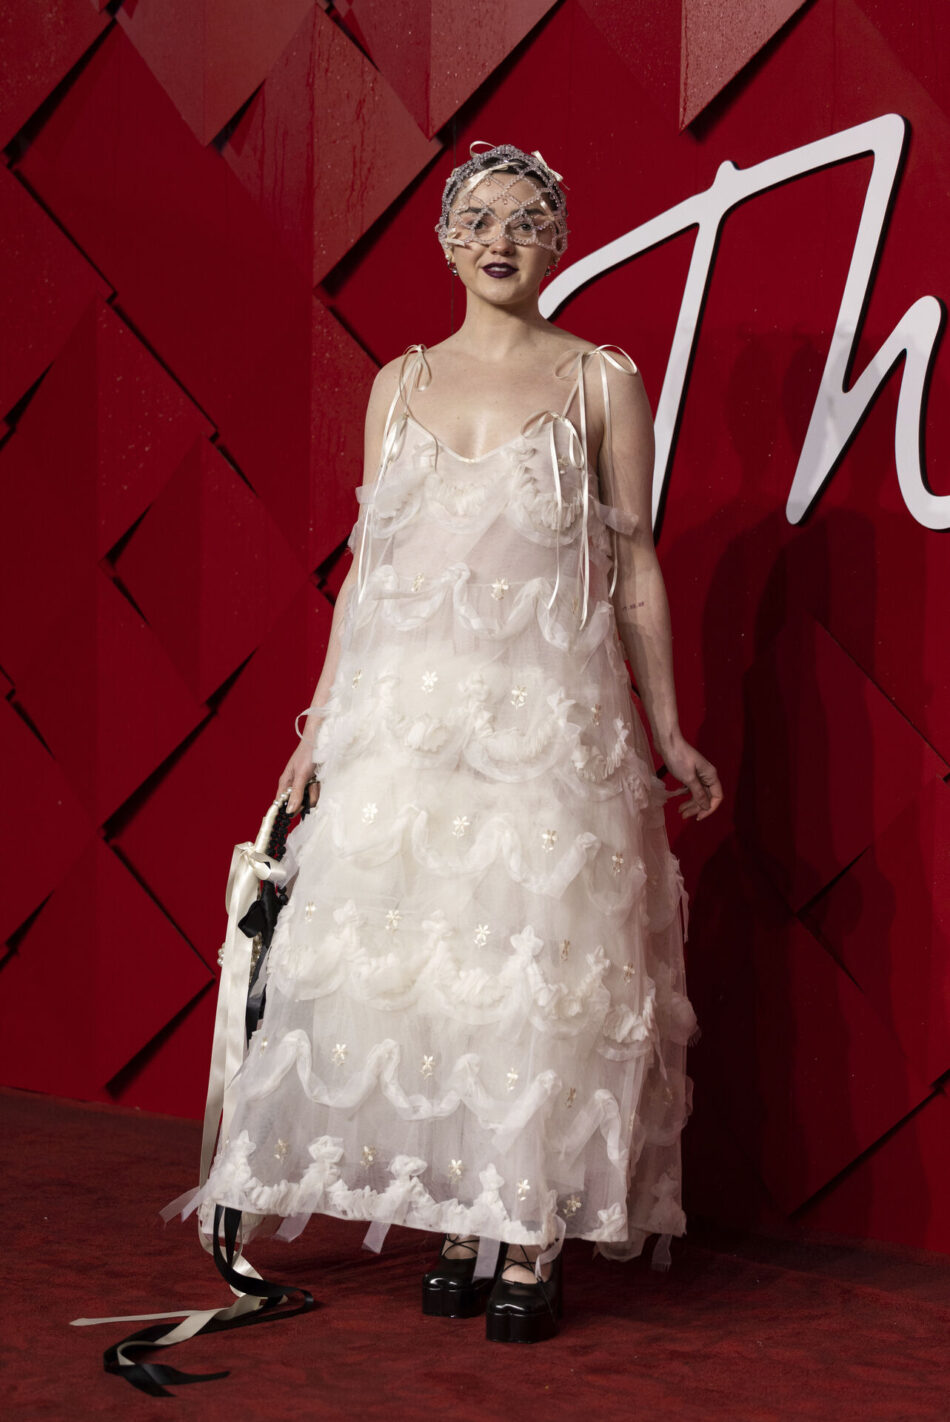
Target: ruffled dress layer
476 1016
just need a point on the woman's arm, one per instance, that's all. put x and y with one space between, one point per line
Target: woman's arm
300 766
640 600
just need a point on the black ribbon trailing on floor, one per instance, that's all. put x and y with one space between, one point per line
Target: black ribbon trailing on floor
153 1377
259 1299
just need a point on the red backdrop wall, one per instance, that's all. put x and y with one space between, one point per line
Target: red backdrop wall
216 221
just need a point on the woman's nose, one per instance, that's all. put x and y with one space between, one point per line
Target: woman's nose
501 240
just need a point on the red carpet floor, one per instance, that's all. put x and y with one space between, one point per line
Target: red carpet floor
741 1328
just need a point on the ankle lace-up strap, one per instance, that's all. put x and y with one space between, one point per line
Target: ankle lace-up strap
464 1241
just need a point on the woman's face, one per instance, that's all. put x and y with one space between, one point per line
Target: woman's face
501 236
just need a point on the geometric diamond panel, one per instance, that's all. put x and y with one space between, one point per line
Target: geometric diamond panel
899 1190
294 425
718 42
410 42
888 921
341 168
827 746
814 1075
209 568
41 43
201 269
228 774
45 285
146 424
195 263
919 40
685 52
105 696
171 1074
97 973
34 786
183 42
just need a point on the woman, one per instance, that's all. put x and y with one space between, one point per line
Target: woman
476 1020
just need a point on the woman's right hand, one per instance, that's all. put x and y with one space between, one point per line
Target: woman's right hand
695 772
295 775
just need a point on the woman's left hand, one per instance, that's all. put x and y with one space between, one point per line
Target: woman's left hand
698 775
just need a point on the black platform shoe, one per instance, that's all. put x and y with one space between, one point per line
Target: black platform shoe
449 1290
524 1313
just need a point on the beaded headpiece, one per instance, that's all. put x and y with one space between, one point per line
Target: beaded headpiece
538 218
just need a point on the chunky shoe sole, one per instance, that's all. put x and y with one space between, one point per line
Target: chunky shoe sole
439 1301
520 1313
520 1328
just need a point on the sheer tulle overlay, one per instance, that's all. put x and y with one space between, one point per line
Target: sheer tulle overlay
476 1016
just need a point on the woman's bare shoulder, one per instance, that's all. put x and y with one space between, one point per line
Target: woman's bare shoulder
568 341
617 368
388 375
386 381
615 351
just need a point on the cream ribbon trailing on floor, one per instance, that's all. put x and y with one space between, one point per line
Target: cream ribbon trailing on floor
249 865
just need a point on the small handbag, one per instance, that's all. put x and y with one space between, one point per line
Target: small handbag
255 894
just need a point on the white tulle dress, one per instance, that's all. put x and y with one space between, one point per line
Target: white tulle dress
476 1018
